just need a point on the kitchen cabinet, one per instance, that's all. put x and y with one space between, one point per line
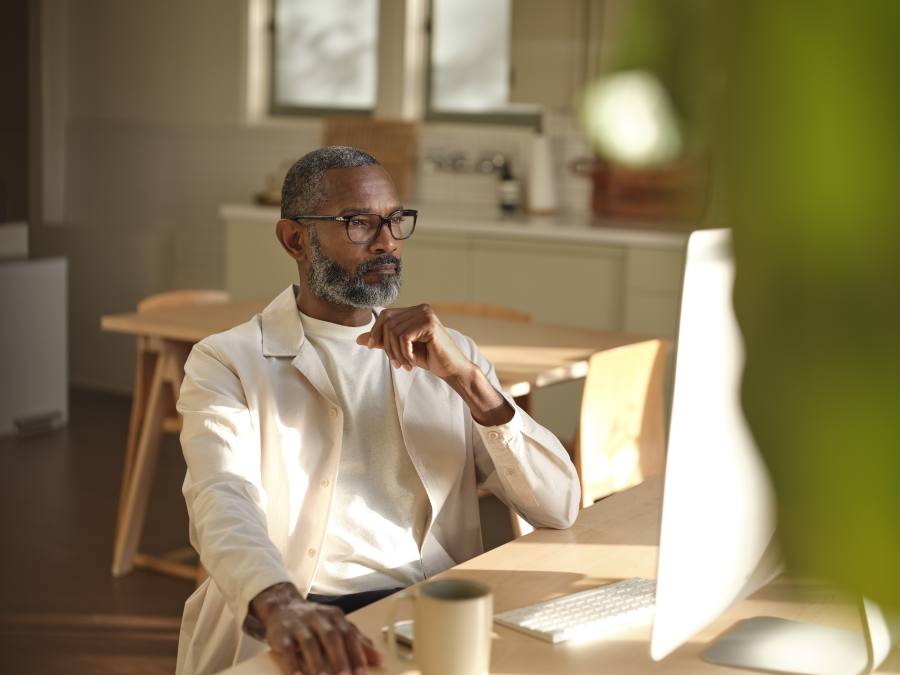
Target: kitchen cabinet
618 276
559 270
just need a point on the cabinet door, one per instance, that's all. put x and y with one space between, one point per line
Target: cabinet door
555 283
652 291
435 269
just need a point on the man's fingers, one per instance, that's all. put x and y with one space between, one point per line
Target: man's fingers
376 331
373 656
309 647
408 332
333 643
398 332
396 352
284 647
354 648
409 352
390 343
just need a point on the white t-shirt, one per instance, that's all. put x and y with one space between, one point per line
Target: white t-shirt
380 506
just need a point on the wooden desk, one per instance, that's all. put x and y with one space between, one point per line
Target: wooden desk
526 355
614 539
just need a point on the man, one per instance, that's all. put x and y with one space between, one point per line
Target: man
334 447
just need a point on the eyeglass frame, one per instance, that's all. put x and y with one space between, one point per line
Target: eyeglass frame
346 220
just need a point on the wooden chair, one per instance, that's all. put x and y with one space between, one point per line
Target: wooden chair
621 436
621 439
160 372
392 142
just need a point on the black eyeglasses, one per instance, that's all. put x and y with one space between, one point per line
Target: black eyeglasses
365 227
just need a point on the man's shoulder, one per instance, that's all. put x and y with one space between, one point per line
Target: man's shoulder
244 340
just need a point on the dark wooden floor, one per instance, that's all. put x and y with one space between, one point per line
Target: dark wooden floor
60 609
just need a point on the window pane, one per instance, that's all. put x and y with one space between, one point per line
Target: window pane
325 53
470 55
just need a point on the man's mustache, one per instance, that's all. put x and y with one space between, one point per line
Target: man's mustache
385 259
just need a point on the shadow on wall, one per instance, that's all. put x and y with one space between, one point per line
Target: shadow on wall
110 270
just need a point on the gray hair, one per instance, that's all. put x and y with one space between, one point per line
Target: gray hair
302 192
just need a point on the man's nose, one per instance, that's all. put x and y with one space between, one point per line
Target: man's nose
384 242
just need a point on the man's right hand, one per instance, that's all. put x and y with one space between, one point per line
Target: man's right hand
310 638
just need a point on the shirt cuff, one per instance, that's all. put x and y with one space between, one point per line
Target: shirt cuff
502 433
261 581
503 442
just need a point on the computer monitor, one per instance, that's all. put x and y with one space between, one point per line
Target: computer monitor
718 541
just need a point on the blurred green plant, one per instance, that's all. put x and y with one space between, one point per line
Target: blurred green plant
805 98
656 101
813 146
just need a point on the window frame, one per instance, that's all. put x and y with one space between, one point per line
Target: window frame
525 119
275 109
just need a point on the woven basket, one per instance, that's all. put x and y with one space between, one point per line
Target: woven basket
391 142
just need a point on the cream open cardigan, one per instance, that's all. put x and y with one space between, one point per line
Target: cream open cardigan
262 440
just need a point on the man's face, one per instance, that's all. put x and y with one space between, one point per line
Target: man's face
344 272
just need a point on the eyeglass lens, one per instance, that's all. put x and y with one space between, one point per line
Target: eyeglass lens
363 227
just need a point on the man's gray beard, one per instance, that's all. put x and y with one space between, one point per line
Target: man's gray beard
329 282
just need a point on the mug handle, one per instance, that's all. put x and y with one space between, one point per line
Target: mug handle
391 636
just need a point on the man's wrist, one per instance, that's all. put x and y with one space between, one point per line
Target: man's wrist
254 627
463 379
273 597
488 406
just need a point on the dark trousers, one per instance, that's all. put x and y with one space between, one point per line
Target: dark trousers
352 601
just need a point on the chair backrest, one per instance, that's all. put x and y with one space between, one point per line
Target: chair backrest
479 309
177 299
621 437
392 142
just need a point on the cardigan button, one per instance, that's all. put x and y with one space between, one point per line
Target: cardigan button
510 472
311 553
324 482
493 434
332 413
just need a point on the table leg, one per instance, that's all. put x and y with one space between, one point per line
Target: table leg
131 518
145 364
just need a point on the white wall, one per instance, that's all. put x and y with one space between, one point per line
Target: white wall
162 61
146 136
143 109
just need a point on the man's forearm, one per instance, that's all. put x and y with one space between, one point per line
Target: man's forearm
487 405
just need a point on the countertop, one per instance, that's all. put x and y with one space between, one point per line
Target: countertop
444 219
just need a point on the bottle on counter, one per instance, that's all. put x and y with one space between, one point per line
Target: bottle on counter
510 191
542 199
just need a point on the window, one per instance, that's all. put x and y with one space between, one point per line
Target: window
470 68
324 56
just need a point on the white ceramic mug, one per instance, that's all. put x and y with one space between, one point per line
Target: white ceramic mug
452 629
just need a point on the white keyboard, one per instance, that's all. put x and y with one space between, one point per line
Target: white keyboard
584 613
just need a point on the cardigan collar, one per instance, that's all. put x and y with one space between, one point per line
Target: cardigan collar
282 331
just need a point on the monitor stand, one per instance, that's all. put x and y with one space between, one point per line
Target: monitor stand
783 646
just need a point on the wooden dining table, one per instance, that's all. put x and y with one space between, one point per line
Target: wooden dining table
525 355
615 539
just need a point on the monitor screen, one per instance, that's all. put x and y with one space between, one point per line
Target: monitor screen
718 518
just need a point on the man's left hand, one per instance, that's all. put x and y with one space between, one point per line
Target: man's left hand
414 337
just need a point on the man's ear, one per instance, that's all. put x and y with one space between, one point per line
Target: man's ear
294 238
